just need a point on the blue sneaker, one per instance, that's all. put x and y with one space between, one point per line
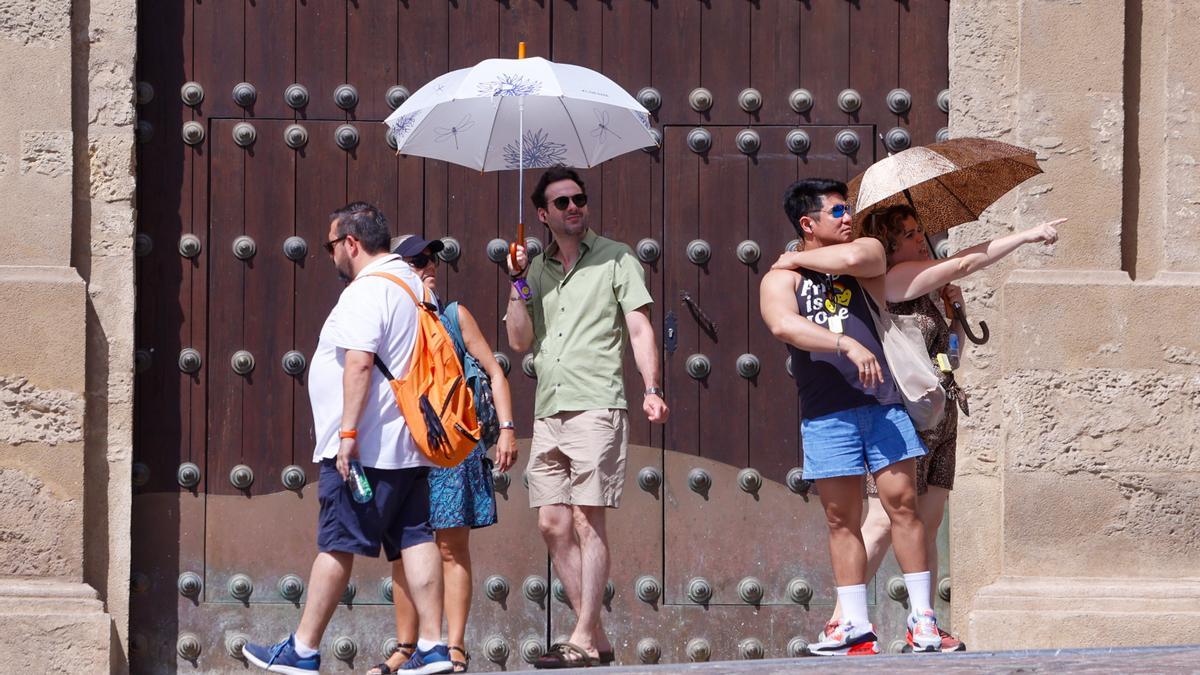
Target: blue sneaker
436 660
282 658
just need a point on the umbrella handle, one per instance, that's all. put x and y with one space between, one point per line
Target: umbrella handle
512 248
962 318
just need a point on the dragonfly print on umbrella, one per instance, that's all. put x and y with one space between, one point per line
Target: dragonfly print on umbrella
540 152
602 129
509 84
441 134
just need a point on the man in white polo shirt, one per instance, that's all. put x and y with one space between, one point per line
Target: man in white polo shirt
355 418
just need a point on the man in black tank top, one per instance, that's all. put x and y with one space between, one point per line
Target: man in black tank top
852 417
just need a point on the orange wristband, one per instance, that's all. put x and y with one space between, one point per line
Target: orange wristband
348 433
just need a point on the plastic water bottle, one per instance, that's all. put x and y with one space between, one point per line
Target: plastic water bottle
360 487
952 351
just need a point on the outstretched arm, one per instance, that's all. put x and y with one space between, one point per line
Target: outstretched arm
864 257
909 280
777 303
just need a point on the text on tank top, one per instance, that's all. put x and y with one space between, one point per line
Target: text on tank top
828 382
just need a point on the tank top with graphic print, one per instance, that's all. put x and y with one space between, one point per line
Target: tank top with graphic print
828 382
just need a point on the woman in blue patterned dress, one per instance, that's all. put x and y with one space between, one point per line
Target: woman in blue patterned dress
460 498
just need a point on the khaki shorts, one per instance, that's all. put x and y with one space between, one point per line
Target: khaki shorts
578 458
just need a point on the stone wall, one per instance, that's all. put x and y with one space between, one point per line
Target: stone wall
1079 473
66 326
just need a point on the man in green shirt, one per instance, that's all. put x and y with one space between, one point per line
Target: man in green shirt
588 295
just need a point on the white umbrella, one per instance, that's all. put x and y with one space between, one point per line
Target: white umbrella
517 113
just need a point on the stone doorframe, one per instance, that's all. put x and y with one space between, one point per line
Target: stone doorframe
67 134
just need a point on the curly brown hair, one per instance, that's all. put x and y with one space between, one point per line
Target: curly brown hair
888 226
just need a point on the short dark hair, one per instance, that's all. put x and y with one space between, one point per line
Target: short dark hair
365 223
553 175
808 195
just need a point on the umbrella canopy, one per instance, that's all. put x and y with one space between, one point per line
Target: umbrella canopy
948 183
501 111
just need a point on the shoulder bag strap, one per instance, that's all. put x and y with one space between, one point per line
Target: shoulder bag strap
395 279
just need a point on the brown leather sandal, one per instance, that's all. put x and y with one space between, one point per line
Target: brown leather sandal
607 656
382 668
565 655
460 666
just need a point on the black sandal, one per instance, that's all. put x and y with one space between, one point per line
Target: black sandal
607 656
384 668
460 666
565 655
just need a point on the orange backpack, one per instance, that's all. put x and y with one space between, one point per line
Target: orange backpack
434 396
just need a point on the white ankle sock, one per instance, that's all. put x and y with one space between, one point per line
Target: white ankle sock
854 604
302 650
425 645
918 592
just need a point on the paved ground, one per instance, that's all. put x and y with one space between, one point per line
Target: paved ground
1113 660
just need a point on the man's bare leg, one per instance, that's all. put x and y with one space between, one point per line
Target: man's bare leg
423 572
590 528
842 499
326 583
877 539
898 494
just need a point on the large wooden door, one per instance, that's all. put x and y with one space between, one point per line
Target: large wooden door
260 117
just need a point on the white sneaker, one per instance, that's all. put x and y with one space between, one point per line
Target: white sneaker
846 639
923 634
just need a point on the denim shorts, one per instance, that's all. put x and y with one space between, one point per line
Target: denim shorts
859 440
396 518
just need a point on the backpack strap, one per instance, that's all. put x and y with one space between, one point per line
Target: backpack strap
428 305
450 320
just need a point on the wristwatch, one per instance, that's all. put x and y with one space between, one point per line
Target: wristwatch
507 425
657 391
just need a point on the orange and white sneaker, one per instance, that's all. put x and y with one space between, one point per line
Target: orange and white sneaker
923 632
846 639
951 643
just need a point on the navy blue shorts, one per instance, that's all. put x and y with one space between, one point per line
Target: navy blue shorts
397 517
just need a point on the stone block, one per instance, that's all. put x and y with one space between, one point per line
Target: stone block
1061 320
1099 523
42 327
1064 612
41 533
111 160
42 22
46 152
53 627
976 539
32 415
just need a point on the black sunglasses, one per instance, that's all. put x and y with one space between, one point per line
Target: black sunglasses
560 203
420 260
334 242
